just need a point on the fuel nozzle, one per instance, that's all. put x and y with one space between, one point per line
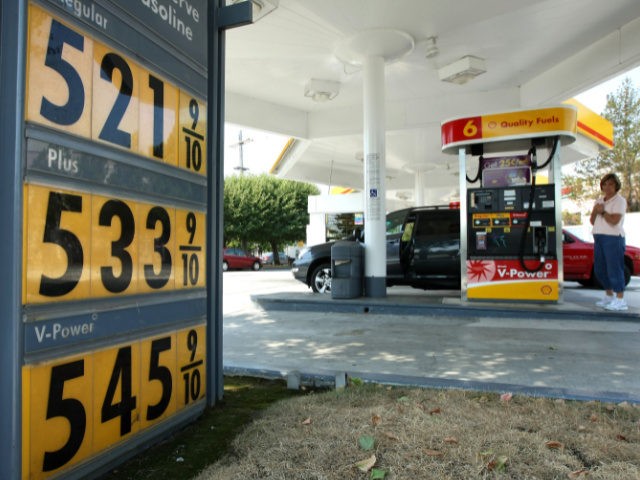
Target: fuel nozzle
540 242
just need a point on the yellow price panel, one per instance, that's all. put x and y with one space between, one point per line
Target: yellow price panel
57 234
113 247
83 87
159 102
59 73
190 248
114 112
156 248
77 407
80 246
59 408
116 390
192 154
158 376
191 365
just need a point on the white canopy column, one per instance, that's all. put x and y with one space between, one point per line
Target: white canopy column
371 50
375 270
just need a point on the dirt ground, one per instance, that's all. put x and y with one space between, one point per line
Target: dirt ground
380 432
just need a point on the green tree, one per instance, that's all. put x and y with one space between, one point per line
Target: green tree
623 111
569 218
265 210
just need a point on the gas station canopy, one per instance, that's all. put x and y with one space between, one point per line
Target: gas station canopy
288 73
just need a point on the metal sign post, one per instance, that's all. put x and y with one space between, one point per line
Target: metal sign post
12 59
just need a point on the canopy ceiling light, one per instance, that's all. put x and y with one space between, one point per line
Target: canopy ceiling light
463 70
260 7
321 90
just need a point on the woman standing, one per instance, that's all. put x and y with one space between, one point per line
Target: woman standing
607 218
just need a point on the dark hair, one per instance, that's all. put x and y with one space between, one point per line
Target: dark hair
611 176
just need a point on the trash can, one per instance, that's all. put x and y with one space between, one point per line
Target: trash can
347 269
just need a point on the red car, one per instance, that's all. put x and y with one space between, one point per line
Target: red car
236 258
578 260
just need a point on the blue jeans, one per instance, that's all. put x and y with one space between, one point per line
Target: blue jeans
608 261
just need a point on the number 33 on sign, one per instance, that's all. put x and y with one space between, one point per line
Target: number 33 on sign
82 87
78 406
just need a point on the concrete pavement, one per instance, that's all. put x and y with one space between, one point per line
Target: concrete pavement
569 350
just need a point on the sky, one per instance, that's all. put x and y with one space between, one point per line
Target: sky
261 149
596 98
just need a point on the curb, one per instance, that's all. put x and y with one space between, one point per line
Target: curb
434 307
328 380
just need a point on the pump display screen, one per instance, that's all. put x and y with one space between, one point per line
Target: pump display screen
505 171
482 200
506 177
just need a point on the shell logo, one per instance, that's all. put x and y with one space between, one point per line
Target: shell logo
480 270
546 290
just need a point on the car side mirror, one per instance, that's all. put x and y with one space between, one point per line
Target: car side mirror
357 235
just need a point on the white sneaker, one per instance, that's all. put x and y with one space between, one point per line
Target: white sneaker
606 300
617 305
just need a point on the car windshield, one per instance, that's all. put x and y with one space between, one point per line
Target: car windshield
395 221
583 232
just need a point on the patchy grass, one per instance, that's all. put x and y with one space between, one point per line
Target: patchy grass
209 438
378 432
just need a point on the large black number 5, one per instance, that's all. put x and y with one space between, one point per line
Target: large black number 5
111 130
70 112
58 203
69 408
162 374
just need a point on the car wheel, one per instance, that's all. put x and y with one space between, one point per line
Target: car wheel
321 278
627 275
256 266
225 266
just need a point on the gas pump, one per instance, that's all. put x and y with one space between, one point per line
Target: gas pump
510 216
511 244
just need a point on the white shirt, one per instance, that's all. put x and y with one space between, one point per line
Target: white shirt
616 204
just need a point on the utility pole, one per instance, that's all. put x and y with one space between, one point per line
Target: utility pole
240 146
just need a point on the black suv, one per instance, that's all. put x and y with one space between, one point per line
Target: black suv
423 251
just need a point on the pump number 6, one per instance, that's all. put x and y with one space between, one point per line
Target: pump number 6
470 129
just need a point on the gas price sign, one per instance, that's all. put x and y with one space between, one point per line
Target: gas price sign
81 86
113 236
80 245
78 406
